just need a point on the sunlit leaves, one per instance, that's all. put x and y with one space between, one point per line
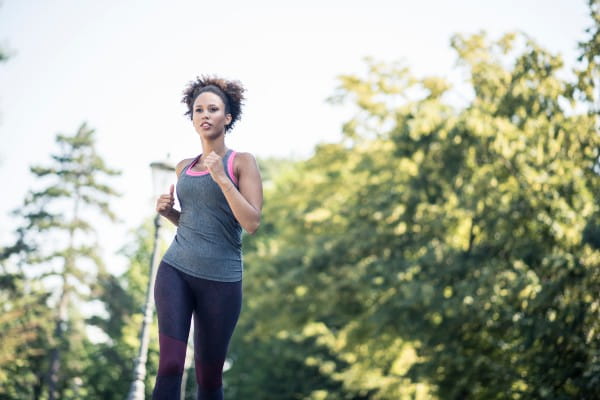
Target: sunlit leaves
443 248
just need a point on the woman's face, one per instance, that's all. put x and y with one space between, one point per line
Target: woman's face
209 116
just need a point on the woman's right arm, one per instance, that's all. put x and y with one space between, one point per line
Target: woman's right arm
164 204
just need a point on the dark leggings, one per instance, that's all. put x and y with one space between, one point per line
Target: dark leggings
215 307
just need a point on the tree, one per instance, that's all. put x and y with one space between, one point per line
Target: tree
3 55
66 258
442 249
24 325
589 76
109 376
269 363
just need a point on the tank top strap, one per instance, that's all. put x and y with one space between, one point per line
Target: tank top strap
228 163
193 162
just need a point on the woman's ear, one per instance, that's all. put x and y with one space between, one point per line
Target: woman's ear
228 119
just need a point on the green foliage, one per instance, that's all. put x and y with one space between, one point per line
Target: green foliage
24 325
111 373
63 270
282 366
436 250
589 75
4 55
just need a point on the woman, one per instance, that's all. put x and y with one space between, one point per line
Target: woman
220 192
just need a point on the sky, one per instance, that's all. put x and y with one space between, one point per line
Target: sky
121 67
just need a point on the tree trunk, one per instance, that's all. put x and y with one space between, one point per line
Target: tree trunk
62 306
58 337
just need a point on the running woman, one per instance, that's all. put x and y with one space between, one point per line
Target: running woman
200 275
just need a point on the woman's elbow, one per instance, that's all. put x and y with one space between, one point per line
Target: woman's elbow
253 226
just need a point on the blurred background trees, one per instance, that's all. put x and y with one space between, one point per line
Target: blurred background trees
57 254
437 250
110 373
447 247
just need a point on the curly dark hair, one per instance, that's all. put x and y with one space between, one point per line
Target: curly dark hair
231 92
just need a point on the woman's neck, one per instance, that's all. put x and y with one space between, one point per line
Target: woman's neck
216 146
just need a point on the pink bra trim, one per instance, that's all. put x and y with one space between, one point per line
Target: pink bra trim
230 167
189 171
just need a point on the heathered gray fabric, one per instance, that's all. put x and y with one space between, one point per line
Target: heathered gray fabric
208 242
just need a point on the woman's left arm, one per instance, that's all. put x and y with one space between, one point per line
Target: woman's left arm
245 202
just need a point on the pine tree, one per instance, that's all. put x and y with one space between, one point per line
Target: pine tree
58 221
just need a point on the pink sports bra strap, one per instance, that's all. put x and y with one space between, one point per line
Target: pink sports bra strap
230 167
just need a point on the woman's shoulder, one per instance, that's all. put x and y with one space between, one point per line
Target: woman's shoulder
244 160
244 156
245 164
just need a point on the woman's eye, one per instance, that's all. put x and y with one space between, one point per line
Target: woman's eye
214 109
198 110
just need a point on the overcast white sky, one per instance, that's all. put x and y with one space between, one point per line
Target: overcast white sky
121 65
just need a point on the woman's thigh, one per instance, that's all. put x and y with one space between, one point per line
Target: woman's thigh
216 311
174 302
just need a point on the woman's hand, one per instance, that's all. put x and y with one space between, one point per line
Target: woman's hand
164 204
214 164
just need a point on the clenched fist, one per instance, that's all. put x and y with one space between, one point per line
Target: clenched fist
214 164
164 204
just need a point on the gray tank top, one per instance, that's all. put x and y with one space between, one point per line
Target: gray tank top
208 242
